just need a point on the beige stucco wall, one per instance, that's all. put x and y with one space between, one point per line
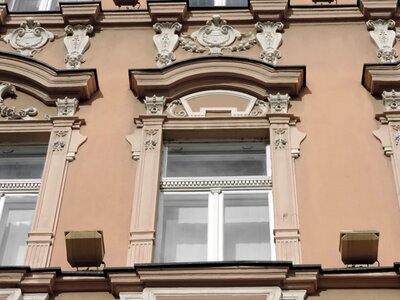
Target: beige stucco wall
344 181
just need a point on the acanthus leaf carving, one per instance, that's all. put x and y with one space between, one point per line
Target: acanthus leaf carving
67 106
166 41
391 100
77 42
279 103
269 40
11 113
216 36
29 38
154 105
176 109
382 33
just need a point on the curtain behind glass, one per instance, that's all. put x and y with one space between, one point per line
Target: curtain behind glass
211 3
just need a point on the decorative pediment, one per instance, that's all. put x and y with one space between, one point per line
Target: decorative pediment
45 82
248 76
378 78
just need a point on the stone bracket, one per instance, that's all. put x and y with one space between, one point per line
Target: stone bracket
85 13
267 10
167 12
378 9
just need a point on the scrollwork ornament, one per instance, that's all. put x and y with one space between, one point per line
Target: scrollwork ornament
260 108
216 36
150 143
382 33
11 113
176 109
77 42
166 41
280 141
29 38
269 40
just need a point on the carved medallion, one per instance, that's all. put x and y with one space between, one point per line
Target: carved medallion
269 40
29 38
11 113
384 37
77 42
166 41
216 36
391 100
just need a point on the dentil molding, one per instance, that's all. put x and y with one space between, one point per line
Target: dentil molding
166 41
382 33
269 40
77 42
11 113
29 38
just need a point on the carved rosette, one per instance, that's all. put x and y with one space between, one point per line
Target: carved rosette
269 40
382 33
29 38
216 36
77 42
391 100
176 109
166 41
154 105
279 103
67 106
11 113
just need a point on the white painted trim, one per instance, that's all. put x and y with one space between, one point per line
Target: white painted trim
35 296
11 294
294 295
203 110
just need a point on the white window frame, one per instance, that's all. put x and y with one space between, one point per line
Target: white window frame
215 224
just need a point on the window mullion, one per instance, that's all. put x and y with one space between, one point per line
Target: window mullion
212 249
220 226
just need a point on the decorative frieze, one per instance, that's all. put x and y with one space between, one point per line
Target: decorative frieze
29 38
391 100
67 106
11 113
166 41
396 134
279 103
382 33
216 36
269 40
77 42
154 105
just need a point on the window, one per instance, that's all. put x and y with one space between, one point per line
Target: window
215 203
35 5
21 168
216 3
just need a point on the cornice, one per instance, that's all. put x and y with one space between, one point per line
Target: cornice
45 82
377 78
250 76
378 9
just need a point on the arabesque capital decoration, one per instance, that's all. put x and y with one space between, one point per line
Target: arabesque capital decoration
269 40
383 34
67 106
391 100
154 105
279 103
77 42
166 41
29 38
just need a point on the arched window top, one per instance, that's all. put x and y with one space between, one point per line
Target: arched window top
248 76
45 82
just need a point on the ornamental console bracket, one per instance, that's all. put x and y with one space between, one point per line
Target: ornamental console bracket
383 34
378 9
169 110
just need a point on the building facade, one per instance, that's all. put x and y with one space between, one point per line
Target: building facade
220 146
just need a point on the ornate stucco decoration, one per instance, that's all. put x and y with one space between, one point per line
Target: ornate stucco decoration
59 143
279 103
150 143
10 113
154 105
391 100
176 109
67 106
29 38
381 31
269 40
261 108
216 36
166 41
77 42
280 141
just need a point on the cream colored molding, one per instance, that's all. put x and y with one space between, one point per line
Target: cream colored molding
267 10
67 106
77 42
10 113
166 41
35 296
75 13
391 100
384 36
29 38
11 294
167 12
154 105
378 9
294 295
269 40
216 36
279 103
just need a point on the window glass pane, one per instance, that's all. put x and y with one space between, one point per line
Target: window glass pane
215 159
246 226
22 161
182 228
26 5
211 3
16 220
